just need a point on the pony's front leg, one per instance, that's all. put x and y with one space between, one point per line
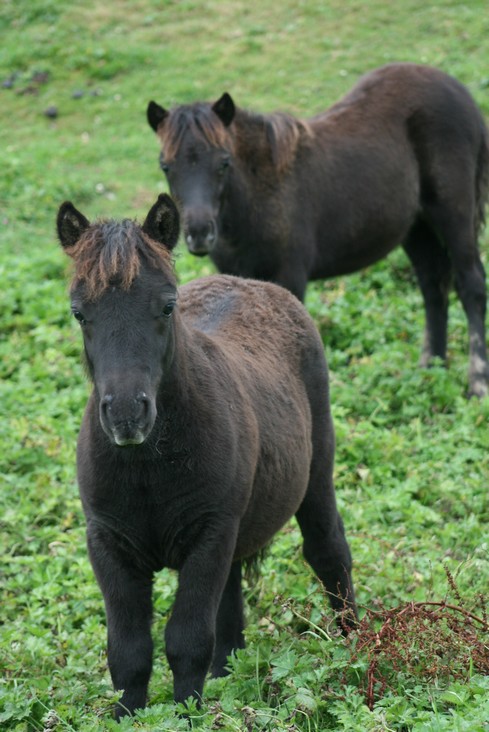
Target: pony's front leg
191 631
128 606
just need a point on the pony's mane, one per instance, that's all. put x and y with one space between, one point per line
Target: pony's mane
283 133
280 132
110 253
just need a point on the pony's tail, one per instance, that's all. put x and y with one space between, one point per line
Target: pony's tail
482 181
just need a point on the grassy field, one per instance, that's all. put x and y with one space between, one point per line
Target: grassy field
412 462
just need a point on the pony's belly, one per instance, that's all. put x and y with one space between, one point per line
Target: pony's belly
269 510
354 261
344 256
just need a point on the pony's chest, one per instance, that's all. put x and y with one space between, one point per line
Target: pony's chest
149 535
152 517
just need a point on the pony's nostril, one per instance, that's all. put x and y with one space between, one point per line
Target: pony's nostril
106 404
143 403
211 235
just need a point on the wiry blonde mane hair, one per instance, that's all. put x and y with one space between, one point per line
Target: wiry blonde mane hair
110 252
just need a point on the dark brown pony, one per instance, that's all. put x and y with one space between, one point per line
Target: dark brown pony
208 427
402 159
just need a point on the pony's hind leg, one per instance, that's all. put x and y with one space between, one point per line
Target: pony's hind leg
325 547
452 159
455 225
229 622
433 269
470 283
326 550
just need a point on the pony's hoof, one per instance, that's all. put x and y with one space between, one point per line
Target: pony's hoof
478 388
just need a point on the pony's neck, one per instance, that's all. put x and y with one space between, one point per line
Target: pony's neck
266 151
180 375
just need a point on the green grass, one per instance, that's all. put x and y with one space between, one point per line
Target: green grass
412 461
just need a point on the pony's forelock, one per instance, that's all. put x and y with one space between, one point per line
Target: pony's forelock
198 119
110 252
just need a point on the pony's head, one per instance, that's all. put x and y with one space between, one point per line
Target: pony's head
123 294
197 154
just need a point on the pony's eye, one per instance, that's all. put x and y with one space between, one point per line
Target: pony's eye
168 309
164 166
79 316
224 164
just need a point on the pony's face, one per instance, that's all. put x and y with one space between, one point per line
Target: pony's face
129 342
124 296
197 159
197 179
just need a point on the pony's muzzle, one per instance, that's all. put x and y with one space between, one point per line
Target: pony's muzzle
127 421
200 236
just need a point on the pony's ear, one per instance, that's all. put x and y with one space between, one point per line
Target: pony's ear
163 222
155 115
225 109
70 224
